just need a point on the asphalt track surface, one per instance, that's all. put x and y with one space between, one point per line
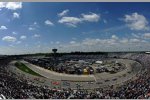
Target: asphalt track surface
61 80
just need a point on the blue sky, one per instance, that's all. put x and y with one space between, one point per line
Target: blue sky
38 27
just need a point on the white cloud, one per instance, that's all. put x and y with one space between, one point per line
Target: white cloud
63 13
106 44
3 28
31 28
35 23
92 17
147 35
11 45
72 42
36 35
114 37
11 5
124 40
99 41
134 40
74 21
48 22
136 21
16 15
114 40
70 21
23 37
9 39
18 42
105 21
71 25
57 42
14 33
91 42
135 35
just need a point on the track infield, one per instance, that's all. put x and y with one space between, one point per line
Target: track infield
26 69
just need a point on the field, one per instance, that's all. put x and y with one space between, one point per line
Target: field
26 69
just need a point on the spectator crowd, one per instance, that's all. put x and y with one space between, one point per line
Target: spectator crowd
13 87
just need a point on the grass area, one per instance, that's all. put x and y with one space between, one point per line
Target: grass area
24 68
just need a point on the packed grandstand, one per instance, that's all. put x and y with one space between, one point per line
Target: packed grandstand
14 87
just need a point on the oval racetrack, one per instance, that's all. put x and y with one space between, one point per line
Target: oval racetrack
99 80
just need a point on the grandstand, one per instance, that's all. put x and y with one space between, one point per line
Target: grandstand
131 81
